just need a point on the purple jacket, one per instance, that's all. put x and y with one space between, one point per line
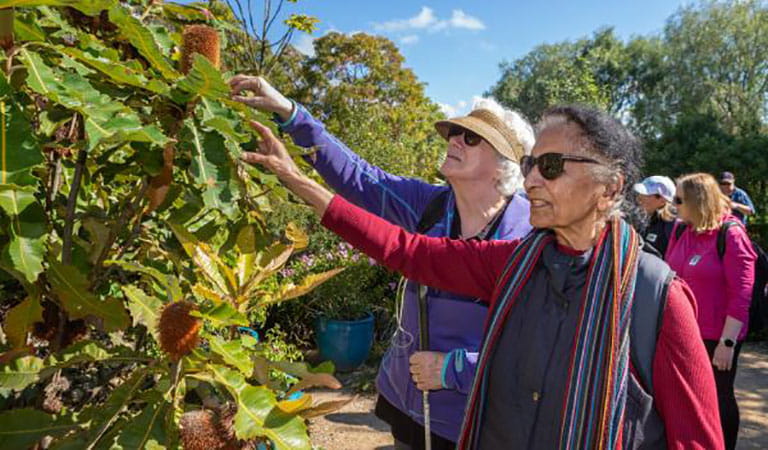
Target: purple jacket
455 322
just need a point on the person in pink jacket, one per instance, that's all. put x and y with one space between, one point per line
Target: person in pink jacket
720 278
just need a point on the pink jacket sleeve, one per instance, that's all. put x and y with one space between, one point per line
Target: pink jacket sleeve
739 265
684 385
465 267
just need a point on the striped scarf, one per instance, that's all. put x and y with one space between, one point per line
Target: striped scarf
593 407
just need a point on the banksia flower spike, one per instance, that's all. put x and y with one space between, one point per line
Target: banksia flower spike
199 430
200 39
178 329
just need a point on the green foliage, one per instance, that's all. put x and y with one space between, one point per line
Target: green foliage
95 121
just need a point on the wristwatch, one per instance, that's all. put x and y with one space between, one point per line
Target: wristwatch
727 342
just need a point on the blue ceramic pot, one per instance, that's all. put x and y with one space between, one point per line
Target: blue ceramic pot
345 342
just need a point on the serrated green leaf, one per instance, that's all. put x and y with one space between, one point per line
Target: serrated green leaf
257 412
204 258
27 30
80 352
211 167
88 7
25 251
147 429
233 354
223 315
306 285
20 320
141 38
117 71
14 199
20 372
71 287
204 79
21 428
167 281
145 309
19 150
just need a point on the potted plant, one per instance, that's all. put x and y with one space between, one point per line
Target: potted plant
343 308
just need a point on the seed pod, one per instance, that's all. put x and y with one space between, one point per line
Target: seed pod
178 329
199 430
200 39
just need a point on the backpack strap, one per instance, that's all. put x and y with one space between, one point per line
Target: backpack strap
679 229
721 235
653 279
433 212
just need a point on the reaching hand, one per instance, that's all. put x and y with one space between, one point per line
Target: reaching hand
272 154
265 97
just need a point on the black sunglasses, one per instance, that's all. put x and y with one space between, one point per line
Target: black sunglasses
677 200
551 165
470 137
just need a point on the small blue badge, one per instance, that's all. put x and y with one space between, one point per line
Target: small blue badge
695 260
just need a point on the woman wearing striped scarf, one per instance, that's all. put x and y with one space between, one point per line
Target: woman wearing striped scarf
589 342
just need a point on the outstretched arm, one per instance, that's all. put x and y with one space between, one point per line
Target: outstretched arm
465 267
400 200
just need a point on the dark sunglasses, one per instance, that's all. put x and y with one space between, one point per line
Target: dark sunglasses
551 165
677 200
470 137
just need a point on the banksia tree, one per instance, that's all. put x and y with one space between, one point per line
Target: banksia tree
178 329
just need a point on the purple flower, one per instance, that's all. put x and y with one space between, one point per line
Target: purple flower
372 262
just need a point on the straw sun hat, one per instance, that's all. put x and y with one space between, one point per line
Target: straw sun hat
489 127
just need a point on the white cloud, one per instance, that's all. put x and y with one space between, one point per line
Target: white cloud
459 19
410 39
423 19
304 44
426 20
459 109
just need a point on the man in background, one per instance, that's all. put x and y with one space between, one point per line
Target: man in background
740 202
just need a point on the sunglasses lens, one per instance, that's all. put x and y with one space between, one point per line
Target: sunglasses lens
526 164
678 201
550 165
471 138
455 130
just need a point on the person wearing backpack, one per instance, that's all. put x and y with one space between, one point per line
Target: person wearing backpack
482 201
714 255
654 195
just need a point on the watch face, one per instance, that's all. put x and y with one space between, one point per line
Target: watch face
729 342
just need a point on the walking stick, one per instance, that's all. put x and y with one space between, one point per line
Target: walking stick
424 346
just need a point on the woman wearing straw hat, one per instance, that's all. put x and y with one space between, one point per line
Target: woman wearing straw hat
481 202
655 194
590 343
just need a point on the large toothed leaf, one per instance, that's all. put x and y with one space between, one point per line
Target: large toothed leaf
324 408
306 285
204 258
22 428
141 38
20 373
204 79
106 120
257 411
211 167
223 315
71 287
14 199
117 71
233 353
20 319
167 281
19 150
88 7
145 309
148 429
26 248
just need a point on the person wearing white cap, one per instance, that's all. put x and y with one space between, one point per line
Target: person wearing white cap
655 194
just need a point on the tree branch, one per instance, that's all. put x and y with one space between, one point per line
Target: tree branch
66 249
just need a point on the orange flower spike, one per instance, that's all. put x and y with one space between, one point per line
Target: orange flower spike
178 329
200 39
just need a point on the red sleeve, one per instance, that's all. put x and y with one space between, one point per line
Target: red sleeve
684 385
465 267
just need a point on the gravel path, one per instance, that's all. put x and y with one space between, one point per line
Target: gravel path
356 427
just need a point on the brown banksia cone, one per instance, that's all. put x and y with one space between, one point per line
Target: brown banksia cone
178 329
200 39
200 430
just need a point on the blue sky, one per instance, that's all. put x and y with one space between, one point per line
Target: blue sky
456 46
